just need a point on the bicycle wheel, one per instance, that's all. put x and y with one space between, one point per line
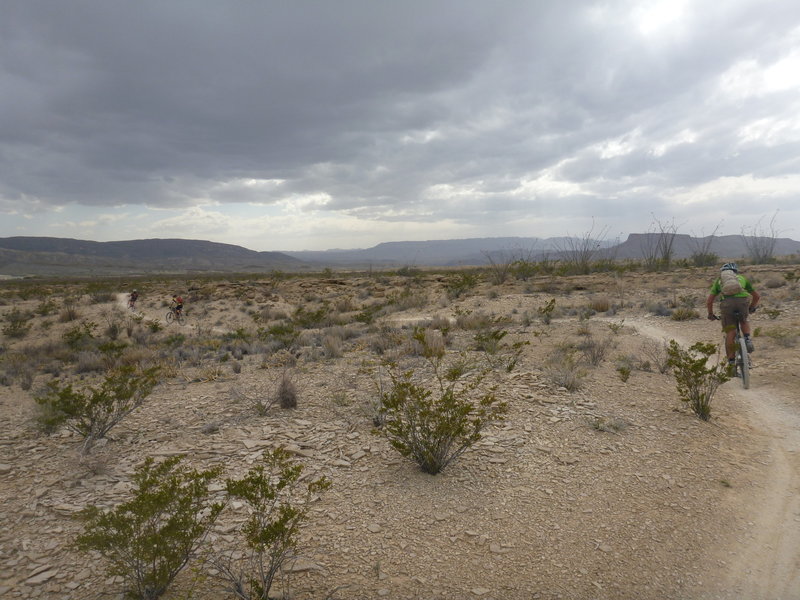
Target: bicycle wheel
181 319
168 318
744 362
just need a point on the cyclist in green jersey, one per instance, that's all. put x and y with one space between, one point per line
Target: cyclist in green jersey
742 299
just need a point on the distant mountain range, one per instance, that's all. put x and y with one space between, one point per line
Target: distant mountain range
20 256
479 251
47 256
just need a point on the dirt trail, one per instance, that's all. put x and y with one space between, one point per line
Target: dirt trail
765 564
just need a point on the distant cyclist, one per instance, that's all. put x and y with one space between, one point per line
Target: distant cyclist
737 295
177 304
134 296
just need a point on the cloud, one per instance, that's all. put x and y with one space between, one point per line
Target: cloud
453 116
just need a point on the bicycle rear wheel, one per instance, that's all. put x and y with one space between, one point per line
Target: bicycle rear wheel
169 316
744 363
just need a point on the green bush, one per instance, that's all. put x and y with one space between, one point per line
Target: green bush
92 413
18 324
696 381
79 336
460 283
150 538
277 511
435 426
546 311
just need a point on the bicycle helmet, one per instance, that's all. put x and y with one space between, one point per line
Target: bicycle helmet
731 266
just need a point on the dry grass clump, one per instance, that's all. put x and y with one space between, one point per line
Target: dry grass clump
684 314
286 394
594 351
428 341
469 320
69 312
783 336
774 282
600 304
654 354
563 370
332 344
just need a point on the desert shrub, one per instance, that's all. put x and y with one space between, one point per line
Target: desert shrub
696 381
69 312
460 283
704 259
656 354
46 307
441 323
659 309
616 327
332 345
18 323
409 299
305 318
490 340
88 361
278 504
93 412
426 340
546 311
259 403
384 340
523 269
149 539
80 335
433 425
608 424
783 336
283 335
563 370
469 320
774 282
286 394
684 314
600 304
594 351
624 372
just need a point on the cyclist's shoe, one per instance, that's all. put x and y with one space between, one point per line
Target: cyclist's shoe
732 369
749 344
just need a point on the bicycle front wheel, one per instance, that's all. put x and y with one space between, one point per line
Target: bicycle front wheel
744 364
181 319
169 316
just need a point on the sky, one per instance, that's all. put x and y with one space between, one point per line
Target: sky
312 125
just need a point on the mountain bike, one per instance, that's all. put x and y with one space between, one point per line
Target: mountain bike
742 364
174 315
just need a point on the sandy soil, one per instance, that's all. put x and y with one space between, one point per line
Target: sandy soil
614 490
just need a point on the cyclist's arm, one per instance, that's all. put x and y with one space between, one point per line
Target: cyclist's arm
710 304
755 297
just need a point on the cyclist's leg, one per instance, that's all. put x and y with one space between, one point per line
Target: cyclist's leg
728 320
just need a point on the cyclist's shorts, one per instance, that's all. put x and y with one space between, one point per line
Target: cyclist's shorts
727 307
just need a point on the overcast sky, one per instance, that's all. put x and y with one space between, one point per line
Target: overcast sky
345 123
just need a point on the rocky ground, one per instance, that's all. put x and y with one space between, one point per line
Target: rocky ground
612 490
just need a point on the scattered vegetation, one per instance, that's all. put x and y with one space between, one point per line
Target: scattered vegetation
94 411
277 508
150 538
435 425
697 381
